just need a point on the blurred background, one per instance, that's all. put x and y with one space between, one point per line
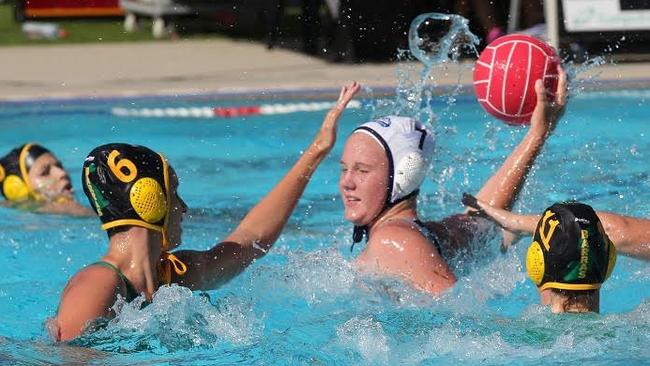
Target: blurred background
335 30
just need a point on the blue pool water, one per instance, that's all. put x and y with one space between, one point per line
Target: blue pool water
304 303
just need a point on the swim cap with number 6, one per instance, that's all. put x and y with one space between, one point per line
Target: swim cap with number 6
127 185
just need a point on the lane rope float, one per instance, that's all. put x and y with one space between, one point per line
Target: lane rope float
227 112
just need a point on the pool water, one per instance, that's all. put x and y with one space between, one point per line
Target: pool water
304 303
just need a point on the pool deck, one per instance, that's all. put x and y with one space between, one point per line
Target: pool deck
219 66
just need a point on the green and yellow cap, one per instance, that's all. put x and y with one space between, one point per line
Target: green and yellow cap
570 249
14 173
128 185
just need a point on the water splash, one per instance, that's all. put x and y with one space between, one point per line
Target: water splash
321 275
435 38
367 337
437 41
175 320
498 277
495 340
583 75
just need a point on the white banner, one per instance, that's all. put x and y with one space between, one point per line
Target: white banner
602 15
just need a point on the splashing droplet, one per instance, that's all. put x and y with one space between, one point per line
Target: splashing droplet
435 38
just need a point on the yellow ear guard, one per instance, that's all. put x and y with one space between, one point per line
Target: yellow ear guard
535 263
148 200
15 189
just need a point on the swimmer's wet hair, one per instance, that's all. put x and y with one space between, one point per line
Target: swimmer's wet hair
583 298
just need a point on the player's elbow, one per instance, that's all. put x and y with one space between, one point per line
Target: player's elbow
618 230
62 331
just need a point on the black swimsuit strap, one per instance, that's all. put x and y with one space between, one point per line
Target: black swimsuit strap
131 292
432 236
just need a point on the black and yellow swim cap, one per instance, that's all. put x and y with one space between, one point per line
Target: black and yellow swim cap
14 172
570 249
127 185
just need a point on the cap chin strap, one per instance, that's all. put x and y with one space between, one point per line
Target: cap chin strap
360 232
24 172
168 259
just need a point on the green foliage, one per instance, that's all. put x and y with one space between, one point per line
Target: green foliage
79 30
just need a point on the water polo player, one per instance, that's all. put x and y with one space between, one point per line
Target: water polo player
570 258
31 177
631 235
134 192
383 165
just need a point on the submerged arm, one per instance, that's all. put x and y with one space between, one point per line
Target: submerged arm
261 227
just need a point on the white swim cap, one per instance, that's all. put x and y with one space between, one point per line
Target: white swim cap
409 148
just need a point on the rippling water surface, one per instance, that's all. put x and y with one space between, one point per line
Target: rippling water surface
304 303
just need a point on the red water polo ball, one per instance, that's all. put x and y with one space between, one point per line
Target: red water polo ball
505 75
